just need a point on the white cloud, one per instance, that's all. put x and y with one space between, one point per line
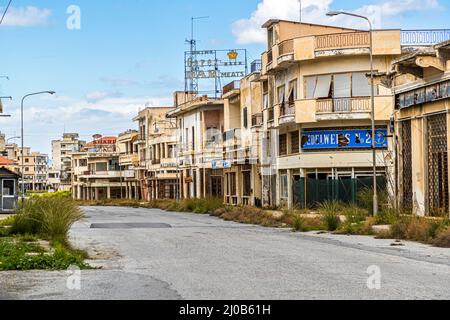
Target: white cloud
100 95
46 119
26 16
382 14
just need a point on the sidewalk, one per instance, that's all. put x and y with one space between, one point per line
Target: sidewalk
407 249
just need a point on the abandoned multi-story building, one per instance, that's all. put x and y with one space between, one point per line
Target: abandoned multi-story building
129 161
200 123
60 174
421 82
157 172
96 173
317 112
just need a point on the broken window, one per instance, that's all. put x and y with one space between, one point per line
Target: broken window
266 101
292 92
281 95
284 185
323 87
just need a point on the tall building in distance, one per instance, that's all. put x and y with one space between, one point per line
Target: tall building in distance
62 150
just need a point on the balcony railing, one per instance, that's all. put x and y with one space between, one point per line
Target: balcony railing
424 37
257 120
286 47
287 110
343 40
344 105
256 66
235 85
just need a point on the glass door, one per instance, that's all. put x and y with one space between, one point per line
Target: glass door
9 195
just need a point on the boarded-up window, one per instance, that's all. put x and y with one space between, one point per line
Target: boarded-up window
295 142
247 182
245 117
283 144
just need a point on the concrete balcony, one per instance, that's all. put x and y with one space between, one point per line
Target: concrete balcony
310 111
128 159
103 175
257 120
284 54
287 114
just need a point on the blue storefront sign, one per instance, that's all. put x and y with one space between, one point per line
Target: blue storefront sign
221 164
344 139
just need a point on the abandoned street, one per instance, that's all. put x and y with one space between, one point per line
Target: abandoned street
151 254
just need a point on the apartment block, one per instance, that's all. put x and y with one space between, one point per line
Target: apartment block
317 112
35 166
97 174
200 123
129 161
60 173
157 172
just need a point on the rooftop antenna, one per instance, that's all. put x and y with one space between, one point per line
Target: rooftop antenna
5 12
300 9
193 83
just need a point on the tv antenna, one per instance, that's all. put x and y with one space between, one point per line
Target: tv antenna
192 87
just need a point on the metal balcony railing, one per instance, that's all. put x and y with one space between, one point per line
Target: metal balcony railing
286 47
234 85
287 109
424 37
256 66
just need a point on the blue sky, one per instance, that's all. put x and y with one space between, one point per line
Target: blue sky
130 52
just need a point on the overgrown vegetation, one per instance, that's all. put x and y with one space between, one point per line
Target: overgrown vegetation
46 216
50 217
20 253
333 216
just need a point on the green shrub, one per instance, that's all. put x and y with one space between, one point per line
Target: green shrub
365 199
50 217
332 221
388 216
331 210
298 224
330 206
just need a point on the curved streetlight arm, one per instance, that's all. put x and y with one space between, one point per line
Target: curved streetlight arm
22 137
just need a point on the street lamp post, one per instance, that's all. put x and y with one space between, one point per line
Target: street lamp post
22 137
372 96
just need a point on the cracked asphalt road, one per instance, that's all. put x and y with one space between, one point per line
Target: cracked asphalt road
151 254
